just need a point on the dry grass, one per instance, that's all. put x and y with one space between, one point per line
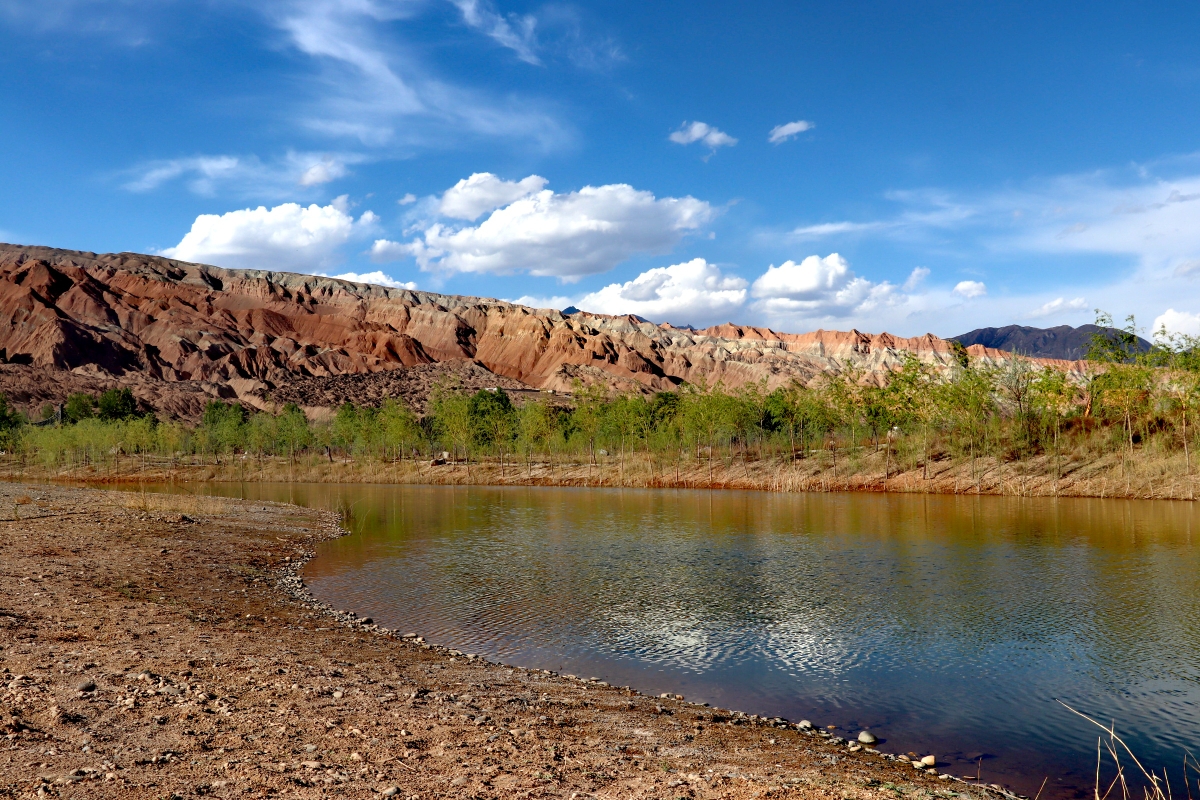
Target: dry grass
1151 474
189 504
1127 782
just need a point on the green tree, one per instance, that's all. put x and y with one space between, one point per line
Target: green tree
117 404
493 420
400 427
292 431
452 421
223 426
80 406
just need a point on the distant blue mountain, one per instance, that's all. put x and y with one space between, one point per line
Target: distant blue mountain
1061 342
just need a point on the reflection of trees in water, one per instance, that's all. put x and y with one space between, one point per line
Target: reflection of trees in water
816 583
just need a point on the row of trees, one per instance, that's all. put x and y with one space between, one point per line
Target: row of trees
1122 400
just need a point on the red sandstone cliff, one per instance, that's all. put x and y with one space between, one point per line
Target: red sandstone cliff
152 321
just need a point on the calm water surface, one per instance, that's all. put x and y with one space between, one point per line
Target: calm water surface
944 624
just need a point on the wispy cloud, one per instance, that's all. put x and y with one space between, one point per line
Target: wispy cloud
789 130
514 31
1154 219
239 175
374 87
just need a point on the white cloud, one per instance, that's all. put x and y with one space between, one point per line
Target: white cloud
473 197
566 235
692 292
323 172
377 277
781 133
516 32
556 302
1188 269
1178 322
205 169
286 237
387 250
915 278
241 175
1058 306
691 132
970 289
408 199
928 211
373 85
817 288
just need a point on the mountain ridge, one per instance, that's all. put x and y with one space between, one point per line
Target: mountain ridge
1059 342
156 322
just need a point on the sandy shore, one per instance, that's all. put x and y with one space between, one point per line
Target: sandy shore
157 646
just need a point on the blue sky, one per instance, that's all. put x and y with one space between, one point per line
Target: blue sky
928 166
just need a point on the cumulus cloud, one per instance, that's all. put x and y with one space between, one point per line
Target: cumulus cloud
408 199
970 289
1178 322
691 292
1057 306
286 237
781 133
817 288
691 132
473 197
565 235
377 278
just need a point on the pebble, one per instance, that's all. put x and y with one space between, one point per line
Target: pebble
929 761
391 791
459 781
866 737
804 725
338 695
86 686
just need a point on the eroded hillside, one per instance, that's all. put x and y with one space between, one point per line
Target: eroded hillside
157 324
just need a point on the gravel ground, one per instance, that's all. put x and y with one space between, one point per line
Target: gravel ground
157 646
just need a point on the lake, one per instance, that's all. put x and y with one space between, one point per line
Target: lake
945 625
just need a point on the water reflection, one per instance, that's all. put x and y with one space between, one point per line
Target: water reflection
946 624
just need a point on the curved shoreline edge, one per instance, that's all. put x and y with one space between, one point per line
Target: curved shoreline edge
159 645
290 582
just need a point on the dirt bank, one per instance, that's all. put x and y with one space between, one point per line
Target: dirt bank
160 646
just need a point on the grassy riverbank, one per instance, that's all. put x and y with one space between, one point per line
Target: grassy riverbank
160 646
1120 426
1071 475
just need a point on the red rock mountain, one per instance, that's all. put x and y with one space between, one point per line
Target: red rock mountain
155 324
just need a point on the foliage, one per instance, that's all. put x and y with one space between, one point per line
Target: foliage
965 408
117 404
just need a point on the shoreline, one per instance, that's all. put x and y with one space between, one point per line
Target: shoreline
504 731
1106 477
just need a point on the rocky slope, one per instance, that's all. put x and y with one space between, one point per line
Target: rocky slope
154 323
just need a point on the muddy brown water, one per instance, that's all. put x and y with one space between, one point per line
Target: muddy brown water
945 625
